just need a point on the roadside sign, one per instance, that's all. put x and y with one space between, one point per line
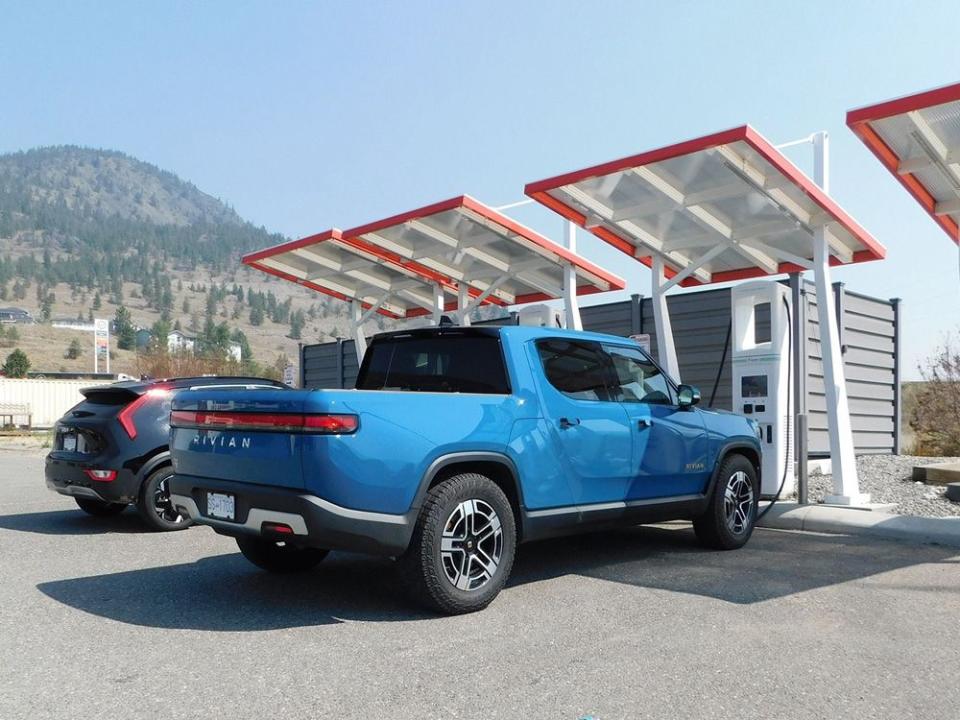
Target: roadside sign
101 344
288 375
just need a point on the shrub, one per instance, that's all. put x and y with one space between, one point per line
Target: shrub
936 416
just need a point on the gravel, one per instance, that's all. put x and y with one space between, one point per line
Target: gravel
888 479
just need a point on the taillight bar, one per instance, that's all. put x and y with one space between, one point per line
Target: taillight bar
327 424
125 416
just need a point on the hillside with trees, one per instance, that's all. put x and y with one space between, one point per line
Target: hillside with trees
90 233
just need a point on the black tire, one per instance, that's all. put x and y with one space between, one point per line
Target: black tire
279 557
99 508
717 528
154 506
429 572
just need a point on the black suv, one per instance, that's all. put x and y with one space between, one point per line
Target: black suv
112 450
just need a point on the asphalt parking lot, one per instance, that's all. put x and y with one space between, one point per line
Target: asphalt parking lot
103 619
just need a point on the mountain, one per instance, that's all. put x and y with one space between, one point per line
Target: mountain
100 207
84 231
93 183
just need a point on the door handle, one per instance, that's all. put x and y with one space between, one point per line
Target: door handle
644 423
566 423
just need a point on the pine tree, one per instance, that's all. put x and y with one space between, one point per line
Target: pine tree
17 364
126 334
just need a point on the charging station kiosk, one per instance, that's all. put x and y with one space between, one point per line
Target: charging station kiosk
761 360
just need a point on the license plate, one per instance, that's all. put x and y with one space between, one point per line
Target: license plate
69 442
221 505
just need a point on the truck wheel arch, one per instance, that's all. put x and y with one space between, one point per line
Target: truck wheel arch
735 448
494 465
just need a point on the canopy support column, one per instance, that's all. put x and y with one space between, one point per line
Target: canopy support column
666 350
463 304
437 303
846 485
571 304
356 329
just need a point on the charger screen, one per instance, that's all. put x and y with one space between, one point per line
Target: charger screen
752 386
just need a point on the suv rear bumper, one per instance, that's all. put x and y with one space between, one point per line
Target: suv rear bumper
67 477
315 522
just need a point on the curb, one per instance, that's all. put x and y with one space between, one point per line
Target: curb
851 521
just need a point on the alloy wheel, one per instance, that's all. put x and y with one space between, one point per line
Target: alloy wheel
471 546
162 505
738 502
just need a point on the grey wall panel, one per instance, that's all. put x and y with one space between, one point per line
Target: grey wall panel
321 367
351 367
868 339
700 323
613 318
868 306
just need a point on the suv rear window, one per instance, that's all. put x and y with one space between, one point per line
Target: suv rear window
445 363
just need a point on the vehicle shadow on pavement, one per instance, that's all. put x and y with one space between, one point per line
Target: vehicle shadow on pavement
74 522
774 564
226 593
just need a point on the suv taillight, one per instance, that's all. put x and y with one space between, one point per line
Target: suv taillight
126 416
324 424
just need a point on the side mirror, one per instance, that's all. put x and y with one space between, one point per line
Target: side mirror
688 396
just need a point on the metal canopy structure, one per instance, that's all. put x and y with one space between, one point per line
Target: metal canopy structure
486 256
723 207
917 138
325 262
731 195
452 256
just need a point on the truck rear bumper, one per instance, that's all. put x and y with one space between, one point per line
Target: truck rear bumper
315 522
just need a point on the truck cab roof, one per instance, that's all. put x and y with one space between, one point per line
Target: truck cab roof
519 332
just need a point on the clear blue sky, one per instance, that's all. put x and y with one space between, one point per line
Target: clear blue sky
307 115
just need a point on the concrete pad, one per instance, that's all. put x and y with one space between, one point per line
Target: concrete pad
850 521
940 474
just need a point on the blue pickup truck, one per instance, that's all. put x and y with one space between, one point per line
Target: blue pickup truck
457 444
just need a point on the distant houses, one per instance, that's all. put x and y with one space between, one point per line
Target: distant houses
15 315
179 342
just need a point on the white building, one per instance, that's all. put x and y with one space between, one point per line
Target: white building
178 342
234 352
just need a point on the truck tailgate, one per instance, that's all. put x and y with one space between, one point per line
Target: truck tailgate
266 455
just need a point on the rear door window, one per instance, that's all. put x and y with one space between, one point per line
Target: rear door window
440 363
577 369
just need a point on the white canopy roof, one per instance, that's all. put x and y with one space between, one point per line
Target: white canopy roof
722 207
917 138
